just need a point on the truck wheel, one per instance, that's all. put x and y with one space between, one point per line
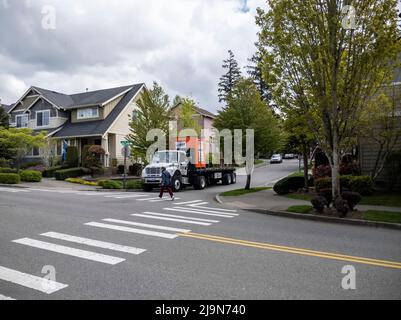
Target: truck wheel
177 184
147 187
233 178
226 179
200 183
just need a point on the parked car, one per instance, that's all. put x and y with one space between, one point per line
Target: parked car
289 156
276 158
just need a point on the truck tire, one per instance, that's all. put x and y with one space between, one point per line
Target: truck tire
226 179
233 178
147 187
177 183
200 183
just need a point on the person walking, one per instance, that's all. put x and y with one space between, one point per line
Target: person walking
166 184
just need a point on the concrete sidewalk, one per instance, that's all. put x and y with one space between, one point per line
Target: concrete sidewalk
51 183
269 200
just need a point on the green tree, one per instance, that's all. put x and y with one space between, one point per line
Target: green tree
177 100
3 117
186 117
246 110
20 142
153 113
230 78
318 58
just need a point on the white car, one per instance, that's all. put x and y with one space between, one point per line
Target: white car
276 158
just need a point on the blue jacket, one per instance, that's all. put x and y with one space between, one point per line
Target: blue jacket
166 178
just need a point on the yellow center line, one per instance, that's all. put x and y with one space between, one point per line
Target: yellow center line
294 250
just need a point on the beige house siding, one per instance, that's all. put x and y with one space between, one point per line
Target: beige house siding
111 105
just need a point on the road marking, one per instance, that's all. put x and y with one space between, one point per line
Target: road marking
198 204
13 190
184 217
187 202
5 298
125 196
93 243
216 209
209 211
294 250
30 281
145 225
132 230
170 219
88 255
197 212
157 199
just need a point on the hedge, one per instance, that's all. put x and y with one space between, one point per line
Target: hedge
360 184
49 173
110 184
134 184
31 176
8 170
288 184
68 173
81 181
9 178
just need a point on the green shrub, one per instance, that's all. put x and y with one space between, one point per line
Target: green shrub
345 181
9 178
134 184
362 185
49 172
72 157
31 176
68 173
322 183
81 181
27 165
8 170
110 184
288 184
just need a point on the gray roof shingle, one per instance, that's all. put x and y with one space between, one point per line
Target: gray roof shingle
98 127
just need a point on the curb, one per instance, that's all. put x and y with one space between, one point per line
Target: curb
376 224
286 214
13 186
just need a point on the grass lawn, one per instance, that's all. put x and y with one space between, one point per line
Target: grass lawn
240 192
300 209
384 216
258 161
300 196
382 199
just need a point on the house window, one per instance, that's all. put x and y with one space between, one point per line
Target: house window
88 113
42 118
22 120
59 147
35 152
134 115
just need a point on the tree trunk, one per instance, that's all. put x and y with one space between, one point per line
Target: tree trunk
335 167
306 169
248 182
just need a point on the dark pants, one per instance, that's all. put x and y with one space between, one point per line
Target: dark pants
169 190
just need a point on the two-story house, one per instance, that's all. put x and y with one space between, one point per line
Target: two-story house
90 118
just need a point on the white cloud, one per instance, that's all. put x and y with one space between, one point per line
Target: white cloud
102 43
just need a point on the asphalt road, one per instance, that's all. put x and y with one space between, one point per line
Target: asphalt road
242 256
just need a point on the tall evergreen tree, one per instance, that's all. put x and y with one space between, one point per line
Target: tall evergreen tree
3 117
255 72
228 80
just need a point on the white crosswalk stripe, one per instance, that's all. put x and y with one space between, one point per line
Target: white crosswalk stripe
93 243
5 298
145 225
157 199
122 196
88 255
214 208
208 211
184 217
188 202
132 230
171 219
198 212
30 281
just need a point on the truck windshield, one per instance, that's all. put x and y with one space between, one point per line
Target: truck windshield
165 157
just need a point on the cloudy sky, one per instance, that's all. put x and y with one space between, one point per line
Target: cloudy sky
101 43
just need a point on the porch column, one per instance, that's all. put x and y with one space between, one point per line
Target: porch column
105 146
